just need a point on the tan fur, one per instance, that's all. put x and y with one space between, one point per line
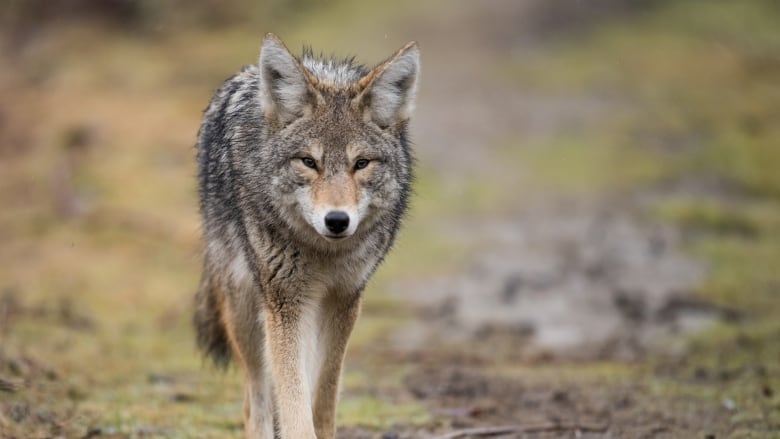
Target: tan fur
365 82
339 318
335 191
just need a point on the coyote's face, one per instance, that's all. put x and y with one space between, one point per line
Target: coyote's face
340 185
338 139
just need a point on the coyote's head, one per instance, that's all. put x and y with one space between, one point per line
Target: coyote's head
335 139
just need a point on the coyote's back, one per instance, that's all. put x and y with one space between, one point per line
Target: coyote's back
304 175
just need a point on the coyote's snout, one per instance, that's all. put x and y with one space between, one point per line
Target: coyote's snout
337 222
334 204
304 170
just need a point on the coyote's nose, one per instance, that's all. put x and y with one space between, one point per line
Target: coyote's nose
337 221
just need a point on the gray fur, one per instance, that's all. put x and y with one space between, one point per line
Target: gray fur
387 104
262 254
338 73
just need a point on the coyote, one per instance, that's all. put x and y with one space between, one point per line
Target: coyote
304 175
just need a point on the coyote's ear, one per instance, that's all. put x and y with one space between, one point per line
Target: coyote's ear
388 91
286 87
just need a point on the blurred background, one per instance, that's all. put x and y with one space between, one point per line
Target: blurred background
592 251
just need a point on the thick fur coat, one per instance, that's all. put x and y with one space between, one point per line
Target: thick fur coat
304 175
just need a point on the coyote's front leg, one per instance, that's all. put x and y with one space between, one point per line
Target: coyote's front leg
337 318
283 329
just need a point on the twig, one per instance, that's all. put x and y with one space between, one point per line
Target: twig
506 429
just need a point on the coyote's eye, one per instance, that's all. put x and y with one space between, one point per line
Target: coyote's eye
309 162
360 164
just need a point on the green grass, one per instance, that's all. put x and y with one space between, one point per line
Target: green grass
587 164
376 413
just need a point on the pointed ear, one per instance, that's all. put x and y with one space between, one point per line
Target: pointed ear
286 87
388 91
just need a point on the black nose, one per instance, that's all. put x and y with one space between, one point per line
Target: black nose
337 221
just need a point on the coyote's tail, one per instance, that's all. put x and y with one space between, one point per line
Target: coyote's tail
211 336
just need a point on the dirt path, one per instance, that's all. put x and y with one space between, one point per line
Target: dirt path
578 281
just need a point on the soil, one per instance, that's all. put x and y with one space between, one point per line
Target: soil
582 281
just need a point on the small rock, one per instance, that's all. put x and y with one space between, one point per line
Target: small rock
93 432
182 397
8 386
159 378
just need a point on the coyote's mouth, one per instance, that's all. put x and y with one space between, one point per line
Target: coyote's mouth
336 237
